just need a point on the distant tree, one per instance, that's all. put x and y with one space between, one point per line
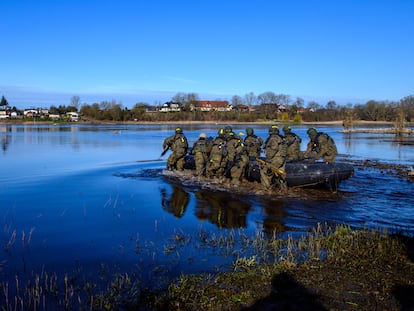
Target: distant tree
407 104
267 98
139 110
3 102
283 99
185 99
331 105
91 111
250 99
179 98
236 100
299 102
75 102
314 106
53 110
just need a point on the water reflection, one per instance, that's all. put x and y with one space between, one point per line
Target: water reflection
221 209
274 215
176 202
5 137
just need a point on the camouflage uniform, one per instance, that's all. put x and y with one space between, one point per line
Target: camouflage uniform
241 160
216 160
235 152
253 144
179 146
293 142
201 151
275 150
320 145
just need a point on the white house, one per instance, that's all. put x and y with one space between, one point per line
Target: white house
72 116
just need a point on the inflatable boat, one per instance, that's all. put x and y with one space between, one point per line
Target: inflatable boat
301 173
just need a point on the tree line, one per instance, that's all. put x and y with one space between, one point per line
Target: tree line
260 109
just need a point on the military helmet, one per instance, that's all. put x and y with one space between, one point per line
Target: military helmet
178 130
203 135
312 132
249 131
228 129
274 129
287 129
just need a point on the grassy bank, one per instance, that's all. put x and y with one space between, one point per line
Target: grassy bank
328 269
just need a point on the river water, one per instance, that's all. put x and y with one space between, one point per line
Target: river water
92 199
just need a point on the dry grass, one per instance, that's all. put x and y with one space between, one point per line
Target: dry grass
328 269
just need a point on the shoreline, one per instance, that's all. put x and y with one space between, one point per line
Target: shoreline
95 122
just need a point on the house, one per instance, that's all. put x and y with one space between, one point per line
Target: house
170 107
304 110
54 116
30 113
242 108
3 115
72 116
211 105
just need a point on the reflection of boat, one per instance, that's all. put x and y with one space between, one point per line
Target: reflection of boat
301 174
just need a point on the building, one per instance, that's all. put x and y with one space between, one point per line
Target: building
72 116
170 107
211 105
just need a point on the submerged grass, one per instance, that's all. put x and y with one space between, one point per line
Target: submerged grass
329 268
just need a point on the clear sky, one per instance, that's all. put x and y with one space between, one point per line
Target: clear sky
148 50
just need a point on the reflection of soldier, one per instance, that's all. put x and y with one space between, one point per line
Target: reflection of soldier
218 153
201 151
179 146
275 150
222 210
253 143
273 219
320 145
178 202
293 144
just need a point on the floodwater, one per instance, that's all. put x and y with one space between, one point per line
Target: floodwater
92 199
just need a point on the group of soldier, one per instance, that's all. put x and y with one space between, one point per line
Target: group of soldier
228 155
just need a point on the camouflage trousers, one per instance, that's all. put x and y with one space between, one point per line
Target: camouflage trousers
215 166
176 161
200 163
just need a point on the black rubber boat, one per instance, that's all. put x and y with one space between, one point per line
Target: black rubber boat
301 174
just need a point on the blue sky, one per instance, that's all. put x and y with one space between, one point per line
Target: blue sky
149 50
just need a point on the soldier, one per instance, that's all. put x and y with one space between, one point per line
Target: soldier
293 142
201 151
232 143
179 145
241 160
273 170
253 144
320 145
216 160
228 130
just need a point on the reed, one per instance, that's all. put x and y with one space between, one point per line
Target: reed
257 258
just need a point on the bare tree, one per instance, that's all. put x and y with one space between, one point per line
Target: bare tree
314 106
75 101
267 98
236 100
250 99
299 102
283 99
